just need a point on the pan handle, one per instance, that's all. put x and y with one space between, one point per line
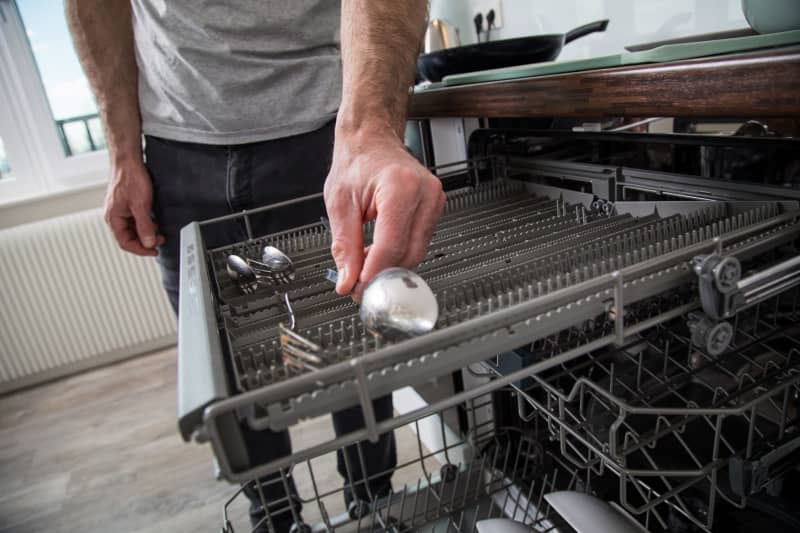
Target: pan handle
586 29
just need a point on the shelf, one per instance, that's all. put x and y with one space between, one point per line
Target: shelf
755 84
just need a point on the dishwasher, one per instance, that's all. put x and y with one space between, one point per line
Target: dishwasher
607 330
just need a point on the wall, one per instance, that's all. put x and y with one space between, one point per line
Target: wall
631 21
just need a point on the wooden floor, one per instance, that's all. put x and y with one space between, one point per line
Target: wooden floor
101 452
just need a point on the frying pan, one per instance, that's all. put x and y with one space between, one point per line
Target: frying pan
497 54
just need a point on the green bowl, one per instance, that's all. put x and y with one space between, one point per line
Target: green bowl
770 16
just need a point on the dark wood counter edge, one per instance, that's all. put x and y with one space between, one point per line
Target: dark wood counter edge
765 83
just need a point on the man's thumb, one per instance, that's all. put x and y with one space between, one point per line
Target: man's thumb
145 227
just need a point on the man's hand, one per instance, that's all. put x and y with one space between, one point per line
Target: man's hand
378 180
129 199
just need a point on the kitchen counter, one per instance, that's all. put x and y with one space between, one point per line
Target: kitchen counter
764 83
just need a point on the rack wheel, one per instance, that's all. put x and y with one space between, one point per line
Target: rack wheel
448 472
709 335
719 338
358 509
727 273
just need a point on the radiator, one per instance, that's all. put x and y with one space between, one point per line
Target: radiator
70 300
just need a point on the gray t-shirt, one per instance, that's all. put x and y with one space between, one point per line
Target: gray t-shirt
236 72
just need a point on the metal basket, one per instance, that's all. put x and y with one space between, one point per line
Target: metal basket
680 426
491 472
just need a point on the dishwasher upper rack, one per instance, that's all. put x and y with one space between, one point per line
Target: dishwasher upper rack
252 322
209 409
680 426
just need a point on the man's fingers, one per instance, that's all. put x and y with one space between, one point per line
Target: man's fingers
145 227
129 198
125 234
425 219
392 227
347 243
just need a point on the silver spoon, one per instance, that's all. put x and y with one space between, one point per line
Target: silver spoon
241 273
277 264
397 304
248 278
280 271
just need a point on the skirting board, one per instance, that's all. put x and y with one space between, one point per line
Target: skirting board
87 364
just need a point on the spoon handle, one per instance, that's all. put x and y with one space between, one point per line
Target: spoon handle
258 264
299 351
289 310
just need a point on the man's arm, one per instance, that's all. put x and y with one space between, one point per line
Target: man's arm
103 35
373 177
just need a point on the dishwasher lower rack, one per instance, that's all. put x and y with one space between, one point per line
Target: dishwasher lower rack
681 427
447 486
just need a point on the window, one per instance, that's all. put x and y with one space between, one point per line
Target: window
71 102
53 139
81 133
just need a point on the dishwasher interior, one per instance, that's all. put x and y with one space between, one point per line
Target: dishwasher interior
607 329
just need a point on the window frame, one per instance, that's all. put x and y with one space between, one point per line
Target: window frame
40 166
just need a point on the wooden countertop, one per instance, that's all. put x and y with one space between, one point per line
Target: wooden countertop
765 83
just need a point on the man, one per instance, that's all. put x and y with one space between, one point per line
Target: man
236 102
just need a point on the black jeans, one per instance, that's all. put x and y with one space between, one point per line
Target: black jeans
195 182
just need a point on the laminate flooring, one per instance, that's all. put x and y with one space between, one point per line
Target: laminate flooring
100 452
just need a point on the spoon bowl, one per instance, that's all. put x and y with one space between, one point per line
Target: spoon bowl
278 265
241 273
397 304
